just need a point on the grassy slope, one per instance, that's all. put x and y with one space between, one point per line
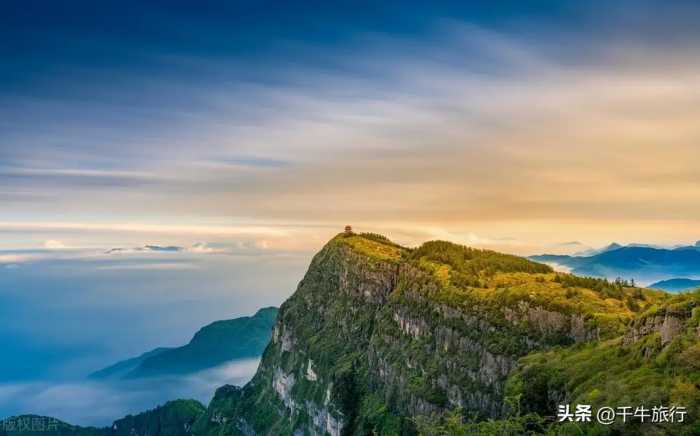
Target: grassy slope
598 372
619 372
494 281
479 283
344 340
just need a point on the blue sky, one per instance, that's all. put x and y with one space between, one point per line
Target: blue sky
249 133
250 119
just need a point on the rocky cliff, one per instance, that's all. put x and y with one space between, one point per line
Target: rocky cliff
447 340
655 363
377 335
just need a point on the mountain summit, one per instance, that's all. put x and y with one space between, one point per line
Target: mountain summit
382 339
445 339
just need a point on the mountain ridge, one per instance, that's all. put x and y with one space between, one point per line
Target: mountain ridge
123 367
212 345
643 263
676 285
446 339
421 308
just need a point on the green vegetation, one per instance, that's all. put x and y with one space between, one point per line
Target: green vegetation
493 283
34 425
473 263
423 341
448 340
372 245
174 418
453 423
623 371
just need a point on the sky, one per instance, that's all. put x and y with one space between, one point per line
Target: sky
511 125
65 313
68 314
249 133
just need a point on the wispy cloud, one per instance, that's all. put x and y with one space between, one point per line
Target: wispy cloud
204 248
53 244
74 172
18 258
108 401
146 228
467 129
149 266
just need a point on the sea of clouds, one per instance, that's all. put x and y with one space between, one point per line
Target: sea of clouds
99 403
65 313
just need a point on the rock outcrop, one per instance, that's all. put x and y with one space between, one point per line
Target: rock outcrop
380 339
377 334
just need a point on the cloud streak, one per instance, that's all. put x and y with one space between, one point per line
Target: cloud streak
467 129
143 228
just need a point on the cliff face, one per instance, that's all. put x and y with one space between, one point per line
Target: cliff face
655 363
668 323
310 373
377 334
444 339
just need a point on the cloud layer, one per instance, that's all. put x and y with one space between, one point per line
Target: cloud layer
100 403
465 130
67 313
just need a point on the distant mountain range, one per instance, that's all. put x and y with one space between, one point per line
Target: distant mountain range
594 251
676 285
644 263
214 344
121 369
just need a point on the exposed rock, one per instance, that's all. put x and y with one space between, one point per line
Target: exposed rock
667 325
670 328
383 332
310 374
283 384
547 322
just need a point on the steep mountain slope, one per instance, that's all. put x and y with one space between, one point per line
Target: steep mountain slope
448 340
657 362
377 335
214 344
676 285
